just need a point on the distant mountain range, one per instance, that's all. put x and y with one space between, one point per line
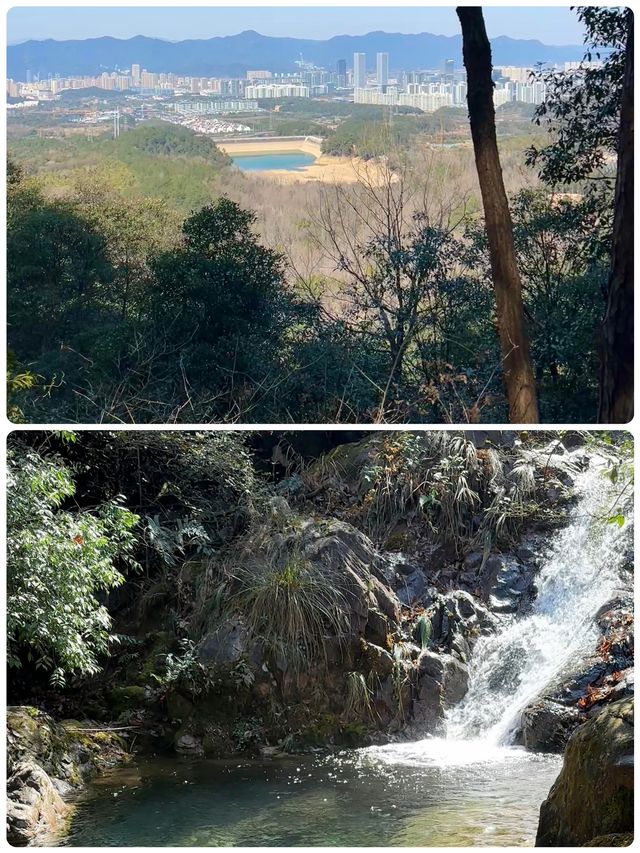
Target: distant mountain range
233 55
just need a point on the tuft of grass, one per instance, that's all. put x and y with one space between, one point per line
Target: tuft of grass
291 606
359 695
400 675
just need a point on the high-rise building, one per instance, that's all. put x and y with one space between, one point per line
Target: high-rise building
135 74
342 72
449 66
359 70
382 70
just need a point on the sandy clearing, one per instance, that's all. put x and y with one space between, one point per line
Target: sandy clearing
333 170
270 146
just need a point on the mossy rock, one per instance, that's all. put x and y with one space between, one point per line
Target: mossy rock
160 643
129 698
354 734
70 750
28 732
178 706
593 795
322 732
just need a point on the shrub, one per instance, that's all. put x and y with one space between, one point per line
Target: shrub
59 560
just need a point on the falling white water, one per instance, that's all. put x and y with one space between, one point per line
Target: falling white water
580 573
509 669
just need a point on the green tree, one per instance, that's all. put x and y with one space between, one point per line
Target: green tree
223 297
555 239
134 228
59 560
581 110
58 277
589 116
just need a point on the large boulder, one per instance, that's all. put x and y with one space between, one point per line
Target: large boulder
508 583
442 681
593 795
348 555
457 621
35 809
46 760
547 725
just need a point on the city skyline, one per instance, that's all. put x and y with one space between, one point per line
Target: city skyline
551 25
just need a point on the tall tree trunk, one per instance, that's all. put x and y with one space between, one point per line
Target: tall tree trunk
518 375
616 359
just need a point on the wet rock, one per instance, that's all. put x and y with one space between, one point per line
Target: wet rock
187 744
34 806
442 681
593 795
547 726
457 621
507 583
595 676
572 440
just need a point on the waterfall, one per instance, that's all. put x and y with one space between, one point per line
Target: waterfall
509 669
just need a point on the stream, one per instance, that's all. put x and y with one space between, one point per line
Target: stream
469 788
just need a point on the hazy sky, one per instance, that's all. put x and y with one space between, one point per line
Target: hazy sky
552 25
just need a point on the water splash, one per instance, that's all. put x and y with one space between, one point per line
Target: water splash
580 573
510 668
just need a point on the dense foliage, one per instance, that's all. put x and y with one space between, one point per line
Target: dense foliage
60 560
88 511
172 141
122 316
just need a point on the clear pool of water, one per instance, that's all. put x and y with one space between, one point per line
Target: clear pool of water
386 796
291 161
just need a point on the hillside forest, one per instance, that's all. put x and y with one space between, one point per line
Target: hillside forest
151 281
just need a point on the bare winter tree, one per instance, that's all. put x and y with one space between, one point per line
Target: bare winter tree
391 240
616 370
519 378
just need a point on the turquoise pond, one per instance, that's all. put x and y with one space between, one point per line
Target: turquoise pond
356 798
291 161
